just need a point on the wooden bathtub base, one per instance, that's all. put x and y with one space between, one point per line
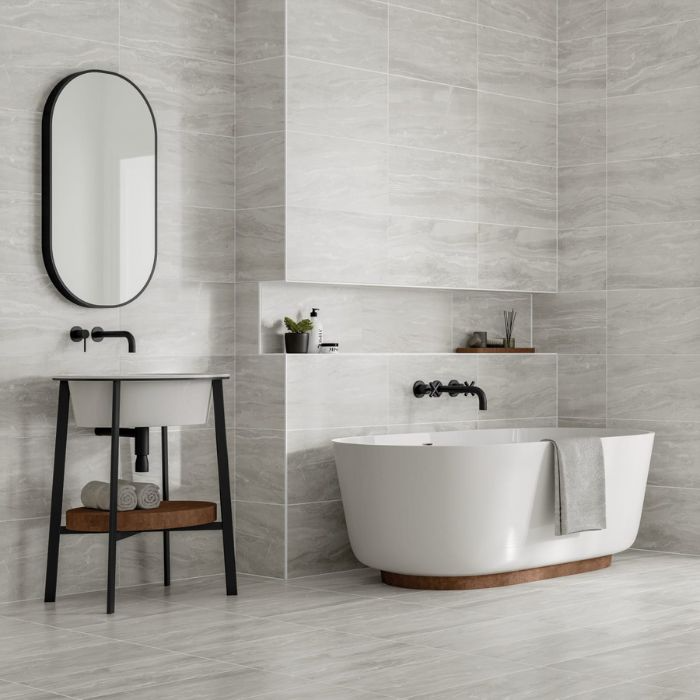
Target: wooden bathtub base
509 578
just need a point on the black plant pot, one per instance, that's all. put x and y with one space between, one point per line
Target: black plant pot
296 342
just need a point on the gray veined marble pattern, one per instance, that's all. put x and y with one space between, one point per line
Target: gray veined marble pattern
517 194
260 465
326 391
582 258
582 135
658 58
336 173
514 129
457 9
675 460
538 17
581 386
571 323
653 125
663 321
355 247
20 213
260 162
582 196
203 30
260 538
517 65
624 15
536 379
195 169
656 190
322 524
260 93
247 315
653 255
29 74
264 408
581 18
517 258
259 29
99 19
260 251
654 387
431 252
432 48
582 69
336 100
186 94
431 115
348 32
432 184
200 244
19 159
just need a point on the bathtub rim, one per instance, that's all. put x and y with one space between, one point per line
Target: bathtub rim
368 439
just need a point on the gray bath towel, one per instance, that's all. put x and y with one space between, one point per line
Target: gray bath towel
579 485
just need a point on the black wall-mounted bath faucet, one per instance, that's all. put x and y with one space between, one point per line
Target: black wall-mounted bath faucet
99 334
453 388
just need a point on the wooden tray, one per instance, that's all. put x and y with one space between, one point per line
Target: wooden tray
169 514
495 350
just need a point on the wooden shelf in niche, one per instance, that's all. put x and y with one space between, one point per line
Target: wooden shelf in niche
168 515
501 350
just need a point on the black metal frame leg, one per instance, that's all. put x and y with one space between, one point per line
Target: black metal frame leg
224 487
59 470
113 491
166 496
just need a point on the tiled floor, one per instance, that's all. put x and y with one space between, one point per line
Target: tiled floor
632 631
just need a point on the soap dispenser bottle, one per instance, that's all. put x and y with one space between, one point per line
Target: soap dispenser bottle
316 333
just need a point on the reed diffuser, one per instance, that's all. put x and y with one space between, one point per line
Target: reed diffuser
509 319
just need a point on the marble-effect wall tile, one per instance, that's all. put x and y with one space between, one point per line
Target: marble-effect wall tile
517 258
582 69
570 323
259 29
318 539
582 259
432 115
348 32
654 255
581 18
581 387
514 129
582 132
432 48
517 65
260 93
521 16
203 30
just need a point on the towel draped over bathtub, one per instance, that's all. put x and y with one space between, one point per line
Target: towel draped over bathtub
579 485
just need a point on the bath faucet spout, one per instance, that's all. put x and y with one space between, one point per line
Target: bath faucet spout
436 389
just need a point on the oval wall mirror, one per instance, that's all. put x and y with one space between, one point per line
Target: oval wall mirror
99 165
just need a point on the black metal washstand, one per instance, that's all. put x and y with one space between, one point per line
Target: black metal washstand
168 517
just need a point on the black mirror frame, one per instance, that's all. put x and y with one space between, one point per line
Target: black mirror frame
46 213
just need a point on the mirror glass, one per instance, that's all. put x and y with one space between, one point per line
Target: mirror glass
99 189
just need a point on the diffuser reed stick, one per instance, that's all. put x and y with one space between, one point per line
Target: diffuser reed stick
509 320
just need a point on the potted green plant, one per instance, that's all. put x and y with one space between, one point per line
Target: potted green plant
296 339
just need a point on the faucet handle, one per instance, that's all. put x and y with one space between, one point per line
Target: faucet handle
77 333
435 388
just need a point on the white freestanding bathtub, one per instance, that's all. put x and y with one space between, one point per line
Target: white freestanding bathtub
481 502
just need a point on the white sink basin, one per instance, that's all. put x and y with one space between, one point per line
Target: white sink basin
147 400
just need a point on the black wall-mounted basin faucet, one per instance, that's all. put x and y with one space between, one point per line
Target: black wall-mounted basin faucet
99 334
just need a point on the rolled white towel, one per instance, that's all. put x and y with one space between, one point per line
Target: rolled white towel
147 494
95 494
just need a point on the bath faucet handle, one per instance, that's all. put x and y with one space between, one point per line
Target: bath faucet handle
435 388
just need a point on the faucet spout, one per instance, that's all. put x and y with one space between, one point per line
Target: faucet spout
99 334
479 393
